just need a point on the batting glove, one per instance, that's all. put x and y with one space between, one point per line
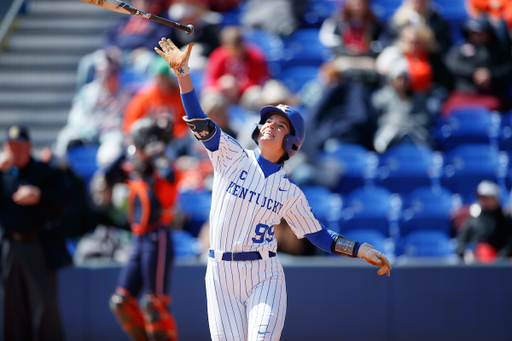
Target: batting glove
177 60
374 257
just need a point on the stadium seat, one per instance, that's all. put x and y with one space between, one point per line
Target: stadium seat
475 124
455 12
403 168
195 206
427 208
185 244
240 118
373 237
319 10
270 44
357 166
82 160
294 77
232 17
426 243
303 47
505 139
370 207
325 204
467 165
384 9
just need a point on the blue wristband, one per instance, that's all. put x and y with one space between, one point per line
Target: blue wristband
357 248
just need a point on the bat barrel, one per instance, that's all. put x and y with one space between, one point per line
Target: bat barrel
123 7
187 28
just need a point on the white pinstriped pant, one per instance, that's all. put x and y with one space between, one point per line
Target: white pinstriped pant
246 300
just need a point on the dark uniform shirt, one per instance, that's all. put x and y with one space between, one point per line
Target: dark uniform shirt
32 218
491 227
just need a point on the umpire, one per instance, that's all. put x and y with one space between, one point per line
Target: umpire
31 194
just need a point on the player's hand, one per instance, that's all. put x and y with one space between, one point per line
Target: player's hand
374 257
177 60
6 161
27 195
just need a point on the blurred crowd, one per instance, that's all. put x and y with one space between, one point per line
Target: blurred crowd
409 134
360 74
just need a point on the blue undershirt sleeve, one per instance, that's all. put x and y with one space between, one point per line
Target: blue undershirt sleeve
324 238
192 106
193 109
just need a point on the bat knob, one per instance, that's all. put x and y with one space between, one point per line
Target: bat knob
190 29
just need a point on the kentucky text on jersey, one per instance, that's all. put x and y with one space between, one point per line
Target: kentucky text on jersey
246 194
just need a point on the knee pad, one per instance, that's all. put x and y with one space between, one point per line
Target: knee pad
160 323
126 309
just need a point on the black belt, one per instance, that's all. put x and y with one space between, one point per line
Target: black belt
241 256
21 236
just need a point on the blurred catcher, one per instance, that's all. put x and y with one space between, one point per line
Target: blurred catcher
152 183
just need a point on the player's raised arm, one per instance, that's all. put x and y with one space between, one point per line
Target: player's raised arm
204 129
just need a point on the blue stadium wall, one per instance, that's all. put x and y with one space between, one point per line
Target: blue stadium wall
326 301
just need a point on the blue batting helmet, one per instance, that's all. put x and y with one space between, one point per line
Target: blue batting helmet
291 142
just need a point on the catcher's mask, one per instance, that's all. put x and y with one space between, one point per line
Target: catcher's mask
151 135
291 142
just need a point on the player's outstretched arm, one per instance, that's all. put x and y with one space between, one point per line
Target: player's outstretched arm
374 257
337 244
178 61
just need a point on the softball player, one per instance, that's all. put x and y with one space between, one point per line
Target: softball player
245 284
153 192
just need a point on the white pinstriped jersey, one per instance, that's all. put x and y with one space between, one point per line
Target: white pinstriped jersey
246 204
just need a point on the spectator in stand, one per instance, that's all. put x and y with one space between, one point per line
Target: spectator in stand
426 70
130 40
135 36
213 5
482 70
159 98
356 37
403 114
493 8
339 110
159 7
273 91
328 77
97 111
234 69
499 14
278 17
486 235
206 29
343 113
421 12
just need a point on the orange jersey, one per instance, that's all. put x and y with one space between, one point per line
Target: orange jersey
151 203
149 101
495 8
